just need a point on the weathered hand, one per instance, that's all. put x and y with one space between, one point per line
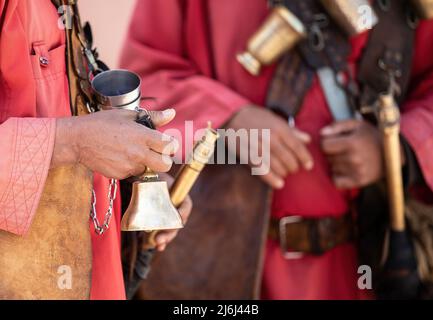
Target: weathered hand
288 150
163 238
113 144
354 150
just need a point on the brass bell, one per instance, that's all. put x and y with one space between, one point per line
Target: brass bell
281 31
150 208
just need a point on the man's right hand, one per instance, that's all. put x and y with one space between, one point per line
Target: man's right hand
113 144
288 148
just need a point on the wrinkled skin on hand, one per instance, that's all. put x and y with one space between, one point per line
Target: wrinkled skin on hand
113 144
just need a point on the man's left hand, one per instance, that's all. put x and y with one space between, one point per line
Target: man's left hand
163 238
354 151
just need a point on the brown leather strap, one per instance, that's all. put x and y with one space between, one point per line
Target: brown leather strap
312 236
290 82
326 45
395 49
78 71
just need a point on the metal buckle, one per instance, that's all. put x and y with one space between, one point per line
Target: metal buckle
283 238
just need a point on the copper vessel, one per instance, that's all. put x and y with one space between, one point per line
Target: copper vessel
352 15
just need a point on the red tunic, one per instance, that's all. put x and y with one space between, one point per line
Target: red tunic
187 59
31 97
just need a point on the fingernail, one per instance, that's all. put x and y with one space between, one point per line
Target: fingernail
172 141
167 137
279 184
169 113
161 240
309 166
173 146
305 137
326 131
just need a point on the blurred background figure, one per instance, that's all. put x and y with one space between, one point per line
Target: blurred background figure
186 51
109 25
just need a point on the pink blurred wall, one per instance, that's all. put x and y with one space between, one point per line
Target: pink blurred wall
109 20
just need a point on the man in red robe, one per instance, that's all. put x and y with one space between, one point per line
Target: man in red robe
187 58
37 134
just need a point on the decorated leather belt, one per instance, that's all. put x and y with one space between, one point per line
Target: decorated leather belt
299 236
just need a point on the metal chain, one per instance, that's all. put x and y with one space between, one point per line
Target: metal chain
112 190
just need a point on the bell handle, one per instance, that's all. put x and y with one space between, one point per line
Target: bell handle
148 175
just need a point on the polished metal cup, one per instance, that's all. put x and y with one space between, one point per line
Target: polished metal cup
281 31
150 207
117 89
424 8
354 16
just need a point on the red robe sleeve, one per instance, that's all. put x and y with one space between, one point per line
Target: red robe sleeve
156 49
417 114
26 144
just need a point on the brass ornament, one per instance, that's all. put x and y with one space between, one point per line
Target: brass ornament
189 172
424 8
388 115
348 15
280 32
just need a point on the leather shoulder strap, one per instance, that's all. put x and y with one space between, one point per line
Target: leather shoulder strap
80 59
78 74
326 46
390 45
